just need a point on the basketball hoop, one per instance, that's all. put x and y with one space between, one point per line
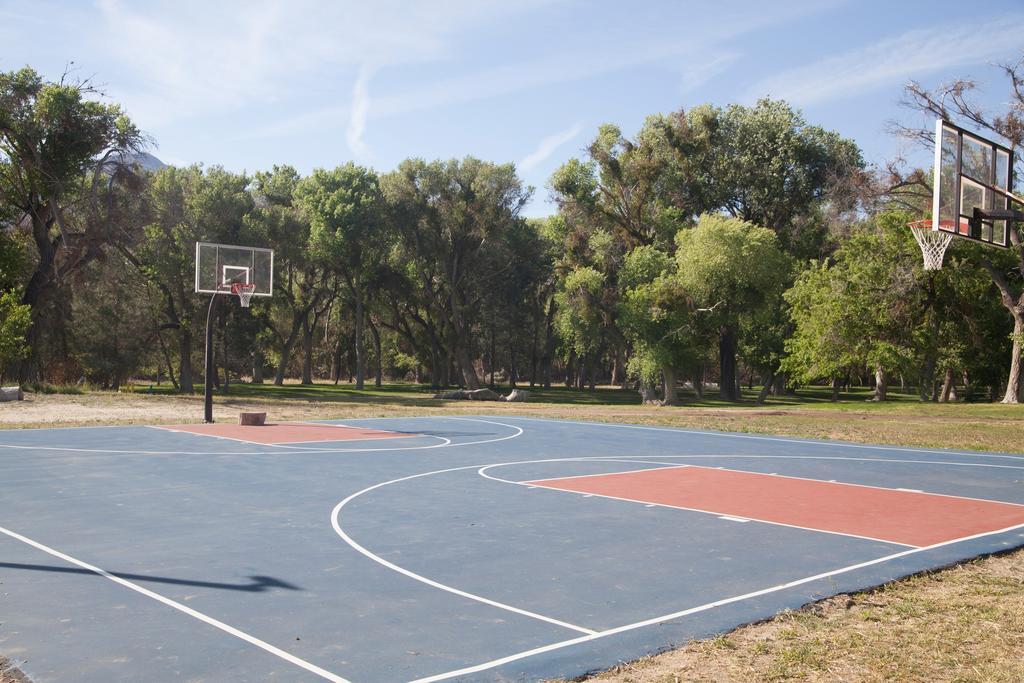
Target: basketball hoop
933 243
244 291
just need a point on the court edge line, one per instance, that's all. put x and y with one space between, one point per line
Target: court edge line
694 610
482 473
337 509
336 524
417 577
920 492
821 457
231 630
782 439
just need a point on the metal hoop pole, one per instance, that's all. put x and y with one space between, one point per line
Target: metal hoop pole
208 388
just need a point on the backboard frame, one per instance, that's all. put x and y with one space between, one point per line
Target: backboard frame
974 202
218 266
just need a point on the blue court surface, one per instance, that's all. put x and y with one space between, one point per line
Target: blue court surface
452 548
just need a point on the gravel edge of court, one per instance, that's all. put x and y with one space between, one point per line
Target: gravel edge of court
9 673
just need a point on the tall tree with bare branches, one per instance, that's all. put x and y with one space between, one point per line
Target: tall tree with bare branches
953 102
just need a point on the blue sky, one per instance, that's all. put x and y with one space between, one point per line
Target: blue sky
317 83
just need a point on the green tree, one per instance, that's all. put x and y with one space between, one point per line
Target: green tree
766 165
658 318
185 206
581 315
448 214
15 317
734 268
56 144
117 321
345 208
860 311
304 285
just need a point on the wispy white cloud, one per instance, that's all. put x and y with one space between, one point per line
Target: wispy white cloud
699 71
359 110
702 57
188 58
548 145
894 60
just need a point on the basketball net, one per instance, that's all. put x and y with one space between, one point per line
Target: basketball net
933 243
244 292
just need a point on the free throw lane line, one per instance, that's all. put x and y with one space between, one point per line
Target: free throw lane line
226 628
717 513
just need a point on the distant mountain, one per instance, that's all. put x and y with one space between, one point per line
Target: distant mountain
144 160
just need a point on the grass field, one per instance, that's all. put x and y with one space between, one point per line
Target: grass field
961 624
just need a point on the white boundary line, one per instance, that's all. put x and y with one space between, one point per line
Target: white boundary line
719 513
335 513
336 524
540 482
445 441
839 458
694 610
449 444
734 435
292 444
231 630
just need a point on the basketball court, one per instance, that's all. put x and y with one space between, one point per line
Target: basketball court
443 548
467 548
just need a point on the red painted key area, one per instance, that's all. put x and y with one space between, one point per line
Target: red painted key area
286 432
907 517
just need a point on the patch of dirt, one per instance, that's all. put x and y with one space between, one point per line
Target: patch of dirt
9 673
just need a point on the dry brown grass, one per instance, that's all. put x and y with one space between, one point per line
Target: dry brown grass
961 624
10 673
984 427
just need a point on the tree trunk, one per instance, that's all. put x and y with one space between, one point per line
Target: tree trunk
336 354
549 344
185 360
492 358
947 383
837 383
289 343
769 379
927 375
379 378
465 363
727 356
513 373
1013 384
569 365
881 384
533 355
224 353
360 352
647 393
257 365
307 352
669 396
698 381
